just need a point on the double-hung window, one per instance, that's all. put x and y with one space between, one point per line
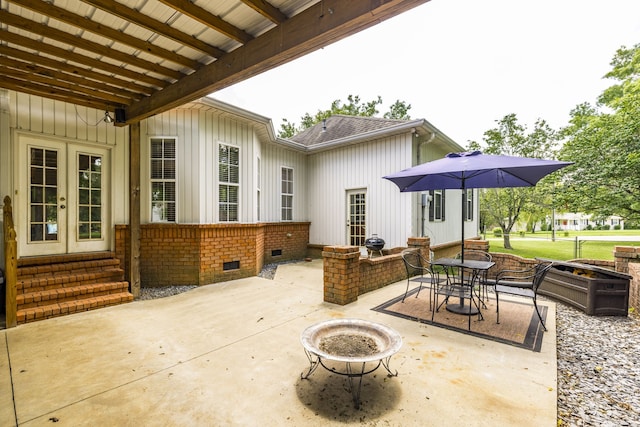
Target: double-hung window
163 179
287 194
436 207
228 182
468 206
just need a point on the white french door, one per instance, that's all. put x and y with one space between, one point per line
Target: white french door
356 217
63 197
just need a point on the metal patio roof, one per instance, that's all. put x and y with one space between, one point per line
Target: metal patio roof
138 58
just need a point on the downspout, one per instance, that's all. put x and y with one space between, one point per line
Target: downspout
423 201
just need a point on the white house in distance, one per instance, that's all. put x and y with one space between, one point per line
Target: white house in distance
220 194
571 221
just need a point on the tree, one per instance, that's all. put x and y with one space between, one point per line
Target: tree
354 107
504 207
604 143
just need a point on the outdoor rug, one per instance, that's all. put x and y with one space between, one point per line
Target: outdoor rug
519 325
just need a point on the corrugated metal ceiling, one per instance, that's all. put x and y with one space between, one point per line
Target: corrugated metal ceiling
143 57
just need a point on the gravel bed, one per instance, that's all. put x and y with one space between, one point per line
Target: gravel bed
598 363
598 369
163 291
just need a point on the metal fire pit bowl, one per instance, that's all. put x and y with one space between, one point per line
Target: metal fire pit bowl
387 341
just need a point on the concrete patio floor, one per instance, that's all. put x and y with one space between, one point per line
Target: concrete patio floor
229 354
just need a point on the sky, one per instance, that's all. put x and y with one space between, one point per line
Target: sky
461 64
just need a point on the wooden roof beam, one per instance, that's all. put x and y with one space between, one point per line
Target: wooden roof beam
81 22
205 17
26 71
320 25
135 17
101 50
48 92
57 52
265 9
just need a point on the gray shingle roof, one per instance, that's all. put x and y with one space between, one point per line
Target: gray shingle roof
341 126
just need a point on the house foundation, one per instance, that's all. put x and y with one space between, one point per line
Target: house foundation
194 254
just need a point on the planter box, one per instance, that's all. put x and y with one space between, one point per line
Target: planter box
594 290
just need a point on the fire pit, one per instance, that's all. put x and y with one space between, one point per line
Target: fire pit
350 341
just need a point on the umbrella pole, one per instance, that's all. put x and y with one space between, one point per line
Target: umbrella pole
464 196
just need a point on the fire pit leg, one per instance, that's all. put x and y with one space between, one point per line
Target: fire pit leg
385 363
355 392
313 362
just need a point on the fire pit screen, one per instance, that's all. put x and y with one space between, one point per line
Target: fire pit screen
350 341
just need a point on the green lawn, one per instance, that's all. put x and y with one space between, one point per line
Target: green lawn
563 248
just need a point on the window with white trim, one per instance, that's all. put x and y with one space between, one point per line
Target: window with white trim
163 179
259 186
287 194
436 207
228 182
468 211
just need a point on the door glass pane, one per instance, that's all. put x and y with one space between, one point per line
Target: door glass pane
43 212
89 193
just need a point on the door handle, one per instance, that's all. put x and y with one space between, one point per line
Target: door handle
62 206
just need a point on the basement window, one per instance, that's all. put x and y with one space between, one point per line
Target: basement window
231 265
276 252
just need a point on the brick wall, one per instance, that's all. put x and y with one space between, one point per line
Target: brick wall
376 273
627 260
634 288
348 275
188 254
291 239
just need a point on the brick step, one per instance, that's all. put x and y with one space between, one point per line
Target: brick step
69 268
64 258
66 280
50 296
33 314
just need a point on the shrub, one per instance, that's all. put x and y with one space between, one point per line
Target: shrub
497 232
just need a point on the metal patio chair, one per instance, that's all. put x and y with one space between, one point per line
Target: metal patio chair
419 270
522 283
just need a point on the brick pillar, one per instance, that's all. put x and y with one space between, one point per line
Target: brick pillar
477 245
627 260
341 274
634 286
421 243
623 255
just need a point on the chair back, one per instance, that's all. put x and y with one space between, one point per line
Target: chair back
542 269
414 262
474 254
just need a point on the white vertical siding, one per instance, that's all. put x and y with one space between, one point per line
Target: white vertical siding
361 166
63 122
273 158
176 124
6 156
199 134
321 179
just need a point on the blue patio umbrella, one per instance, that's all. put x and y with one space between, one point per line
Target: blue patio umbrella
462 171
